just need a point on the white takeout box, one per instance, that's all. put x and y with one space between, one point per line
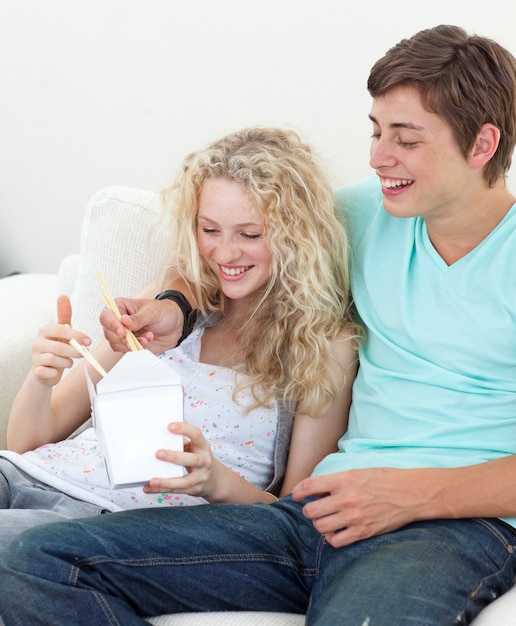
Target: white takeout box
131 409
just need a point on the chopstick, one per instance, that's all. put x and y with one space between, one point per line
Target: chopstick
109 301
88 356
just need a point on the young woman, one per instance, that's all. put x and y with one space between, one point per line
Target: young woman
267 369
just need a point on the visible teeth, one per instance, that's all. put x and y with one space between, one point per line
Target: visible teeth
234 271
392 182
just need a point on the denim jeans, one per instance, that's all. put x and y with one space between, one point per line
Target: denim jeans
27 502
119 568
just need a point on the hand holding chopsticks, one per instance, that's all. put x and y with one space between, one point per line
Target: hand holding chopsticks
109 301
88 356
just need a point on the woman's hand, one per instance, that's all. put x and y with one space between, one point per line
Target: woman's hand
51 351
204 472
157 324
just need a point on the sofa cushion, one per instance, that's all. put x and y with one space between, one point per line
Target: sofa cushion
115 241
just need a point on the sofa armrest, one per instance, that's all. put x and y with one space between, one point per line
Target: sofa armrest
27 302
114 242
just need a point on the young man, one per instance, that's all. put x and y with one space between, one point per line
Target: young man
413 520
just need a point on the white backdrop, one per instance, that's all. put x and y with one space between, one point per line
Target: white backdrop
111 92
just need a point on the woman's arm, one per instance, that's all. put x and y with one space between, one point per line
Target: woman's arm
46 408
158 324
206 476
314 438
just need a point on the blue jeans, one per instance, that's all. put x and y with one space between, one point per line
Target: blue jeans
119 568
27 502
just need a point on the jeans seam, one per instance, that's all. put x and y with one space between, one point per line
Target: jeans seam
495 531
191 560
320 547
318 558
73 578
106 609
483 582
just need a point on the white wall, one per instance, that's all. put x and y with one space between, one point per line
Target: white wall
117 91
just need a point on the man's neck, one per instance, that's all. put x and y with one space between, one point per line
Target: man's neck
455 236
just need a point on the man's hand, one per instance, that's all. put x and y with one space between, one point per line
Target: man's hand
157 324
359 504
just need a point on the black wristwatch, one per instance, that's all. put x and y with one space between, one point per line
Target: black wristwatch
190 315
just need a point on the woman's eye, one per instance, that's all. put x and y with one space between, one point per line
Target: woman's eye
250 236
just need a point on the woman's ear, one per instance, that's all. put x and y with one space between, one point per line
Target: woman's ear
485 145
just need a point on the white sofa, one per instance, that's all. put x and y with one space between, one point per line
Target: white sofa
115 242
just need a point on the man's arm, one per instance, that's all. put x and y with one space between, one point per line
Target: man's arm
358 504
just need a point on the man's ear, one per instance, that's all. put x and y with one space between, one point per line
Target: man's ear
485 145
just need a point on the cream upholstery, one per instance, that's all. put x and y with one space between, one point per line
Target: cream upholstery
114 242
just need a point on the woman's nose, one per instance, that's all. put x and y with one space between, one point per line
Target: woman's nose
227 251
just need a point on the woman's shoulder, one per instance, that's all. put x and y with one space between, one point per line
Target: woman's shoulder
344 346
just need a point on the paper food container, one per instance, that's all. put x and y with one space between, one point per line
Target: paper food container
131 408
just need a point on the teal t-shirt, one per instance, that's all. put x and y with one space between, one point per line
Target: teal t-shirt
436 386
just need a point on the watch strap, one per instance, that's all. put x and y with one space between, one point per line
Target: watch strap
189 314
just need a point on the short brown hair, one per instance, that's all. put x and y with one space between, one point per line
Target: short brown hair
468 80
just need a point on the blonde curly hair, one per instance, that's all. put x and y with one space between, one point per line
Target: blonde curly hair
285 346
